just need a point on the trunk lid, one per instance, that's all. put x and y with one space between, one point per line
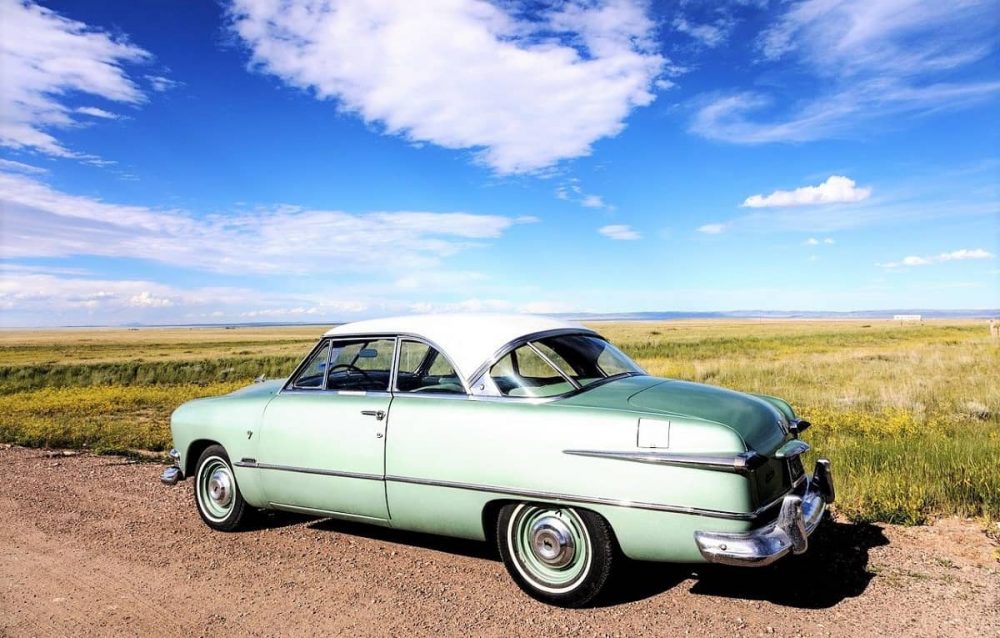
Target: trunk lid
761 425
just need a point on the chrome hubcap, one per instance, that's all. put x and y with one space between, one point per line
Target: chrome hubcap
552 542
220 487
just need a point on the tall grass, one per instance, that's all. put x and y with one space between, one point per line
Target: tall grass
909 415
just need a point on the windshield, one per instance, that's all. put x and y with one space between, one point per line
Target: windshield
556 365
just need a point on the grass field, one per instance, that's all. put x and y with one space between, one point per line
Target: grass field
908 414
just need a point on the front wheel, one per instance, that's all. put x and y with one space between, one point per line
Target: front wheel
559 555
219 501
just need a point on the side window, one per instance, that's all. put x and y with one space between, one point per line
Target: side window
424 369
361 365
523 373
314 371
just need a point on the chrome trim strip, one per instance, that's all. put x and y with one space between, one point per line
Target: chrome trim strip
737 463
530 494
310 470
592 500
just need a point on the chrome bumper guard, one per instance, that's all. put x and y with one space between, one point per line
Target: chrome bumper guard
173 473
797 520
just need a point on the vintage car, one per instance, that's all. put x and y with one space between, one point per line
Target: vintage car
536 433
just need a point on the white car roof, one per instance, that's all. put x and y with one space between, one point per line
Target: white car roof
467 339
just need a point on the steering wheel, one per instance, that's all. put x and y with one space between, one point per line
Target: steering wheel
351 368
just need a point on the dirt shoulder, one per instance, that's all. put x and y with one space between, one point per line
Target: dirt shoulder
96 546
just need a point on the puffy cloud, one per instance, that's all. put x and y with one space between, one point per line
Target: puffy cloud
712 229
835 190
45 57
43 222
812 241
622 232
955 255
523 92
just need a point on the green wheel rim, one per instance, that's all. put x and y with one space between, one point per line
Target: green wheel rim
550 547
216 489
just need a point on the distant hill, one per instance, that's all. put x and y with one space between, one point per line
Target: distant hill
780 314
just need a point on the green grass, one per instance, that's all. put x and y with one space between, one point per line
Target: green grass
908 414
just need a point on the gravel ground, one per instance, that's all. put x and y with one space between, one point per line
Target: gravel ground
96 546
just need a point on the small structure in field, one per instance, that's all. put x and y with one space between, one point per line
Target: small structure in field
908 318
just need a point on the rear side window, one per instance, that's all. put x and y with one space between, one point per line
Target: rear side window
523 373
424 369
554 366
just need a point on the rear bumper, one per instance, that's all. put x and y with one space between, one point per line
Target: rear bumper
173 473
789 533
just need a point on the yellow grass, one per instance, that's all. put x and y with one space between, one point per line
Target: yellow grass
909 414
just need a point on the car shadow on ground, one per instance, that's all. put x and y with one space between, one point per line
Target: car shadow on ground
834 568
448 545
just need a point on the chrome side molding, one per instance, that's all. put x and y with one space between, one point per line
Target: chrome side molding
737 463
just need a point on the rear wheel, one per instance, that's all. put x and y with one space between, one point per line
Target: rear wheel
219 501
559 555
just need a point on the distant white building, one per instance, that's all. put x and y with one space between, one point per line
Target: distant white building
907 317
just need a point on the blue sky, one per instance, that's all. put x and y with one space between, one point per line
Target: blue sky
273 160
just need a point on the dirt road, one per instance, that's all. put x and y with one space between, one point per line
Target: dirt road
96 546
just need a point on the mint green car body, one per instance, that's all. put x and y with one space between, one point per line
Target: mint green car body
444 464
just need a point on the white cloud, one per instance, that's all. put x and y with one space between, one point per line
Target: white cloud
438 280
96 112
571 191
160 84
709 35
812 241
146 299
622 232
42 222
46 57
869 59
955 255
712 229
835 190
21 167
523 93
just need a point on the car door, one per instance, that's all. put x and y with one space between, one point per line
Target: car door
322 447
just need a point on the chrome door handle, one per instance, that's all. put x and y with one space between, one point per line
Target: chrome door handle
378 414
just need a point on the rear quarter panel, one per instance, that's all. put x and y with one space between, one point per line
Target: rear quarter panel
519 446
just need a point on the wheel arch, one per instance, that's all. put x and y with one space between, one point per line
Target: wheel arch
194 451
491 515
